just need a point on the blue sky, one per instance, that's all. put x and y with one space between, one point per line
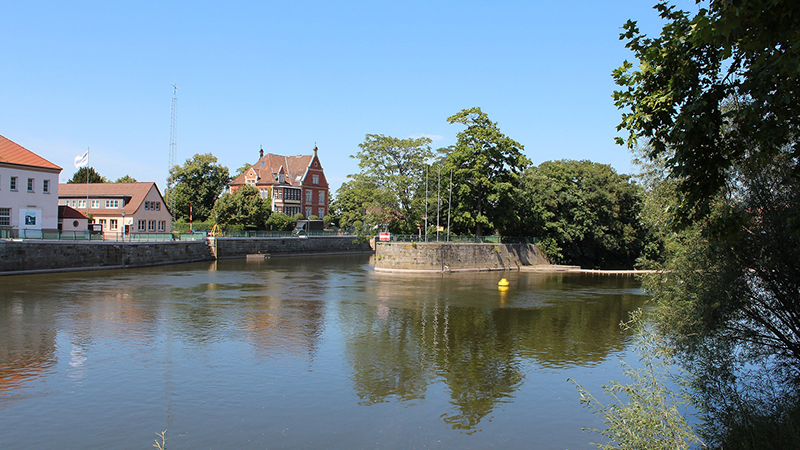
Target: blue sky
287 75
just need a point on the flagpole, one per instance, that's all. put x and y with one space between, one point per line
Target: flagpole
87 182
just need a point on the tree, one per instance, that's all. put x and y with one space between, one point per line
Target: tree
486 166
83 172
126 179
584 213
241 170
198 183
715 99
279 221
714 89
246 207
393 169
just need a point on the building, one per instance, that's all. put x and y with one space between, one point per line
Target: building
28 191
70 220
296 184
120 208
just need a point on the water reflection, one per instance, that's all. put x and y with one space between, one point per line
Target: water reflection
295 337
412 331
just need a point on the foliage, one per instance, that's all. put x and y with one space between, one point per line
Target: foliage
86 171
486 166
163 444
715 88
279 221
241 170
246 207
387 188
126 179
645 414
727 300
585 213
198 182
184 227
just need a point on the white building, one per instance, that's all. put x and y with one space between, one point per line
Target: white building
28 192
120 208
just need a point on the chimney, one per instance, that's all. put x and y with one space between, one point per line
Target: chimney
261 152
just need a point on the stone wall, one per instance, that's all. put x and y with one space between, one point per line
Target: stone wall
33 256
241 247
444 257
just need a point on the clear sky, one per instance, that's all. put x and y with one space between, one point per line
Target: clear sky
286 75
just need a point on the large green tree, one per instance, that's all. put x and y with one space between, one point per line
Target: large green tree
386 191
717 87
246 207
715 98
198 182
87 172
486 165
126 179
585 213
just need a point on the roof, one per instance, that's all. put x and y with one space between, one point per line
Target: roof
13 153
67 212
294 167
136 191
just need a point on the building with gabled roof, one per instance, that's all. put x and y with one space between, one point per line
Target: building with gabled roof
28 191
296 184
120 208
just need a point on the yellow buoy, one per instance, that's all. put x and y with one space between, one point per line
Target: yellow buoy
503 282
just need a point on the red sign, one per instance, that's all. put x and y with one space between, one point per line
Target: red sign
384 236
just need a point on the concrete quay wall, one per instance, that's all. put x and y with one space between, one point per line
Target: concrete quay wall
52 256
225 247
454 257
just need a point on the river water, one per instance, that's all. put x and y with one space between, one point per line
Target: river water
306 353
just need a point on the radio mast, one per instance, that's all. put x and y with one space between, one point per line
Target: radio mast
173 146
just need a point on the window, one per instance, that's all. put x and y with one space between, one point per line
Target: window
158 206
46 186
315 179
141 226
30 184
95 203
146 205
151 225
162 225
321 212
82 204
13 184
112 203
113 224
321 197
309 195
308 212
5 217
103 223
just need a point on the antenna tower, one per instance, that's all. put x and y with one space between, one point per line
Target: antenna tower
173 146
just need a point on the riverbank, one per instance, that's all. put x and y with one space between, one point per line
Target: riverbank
19 257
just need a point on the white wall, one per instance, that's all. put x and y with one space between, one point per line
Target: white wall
40 207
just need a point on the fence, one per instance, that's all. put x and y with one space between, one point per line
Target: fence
493 239
55 235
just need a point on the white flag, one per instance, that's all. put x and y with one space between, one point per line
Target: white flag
82 160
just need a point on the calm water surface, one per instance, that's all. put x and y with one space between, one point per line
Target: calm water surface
305 353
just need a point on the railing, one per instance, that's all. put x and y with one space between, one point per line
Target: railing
54 235
493 239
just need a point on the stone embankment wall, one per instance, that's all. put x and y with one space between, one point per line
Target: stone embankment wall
18 257
452 257
241 247
48 256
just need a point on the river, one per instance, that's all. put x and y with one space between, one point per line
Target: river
306 353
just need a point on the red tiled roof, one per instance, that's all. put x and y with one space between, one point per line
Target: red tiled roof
67 212
13 153
294 167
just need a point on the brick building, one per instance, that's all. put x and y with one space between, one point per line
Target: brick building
296 184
